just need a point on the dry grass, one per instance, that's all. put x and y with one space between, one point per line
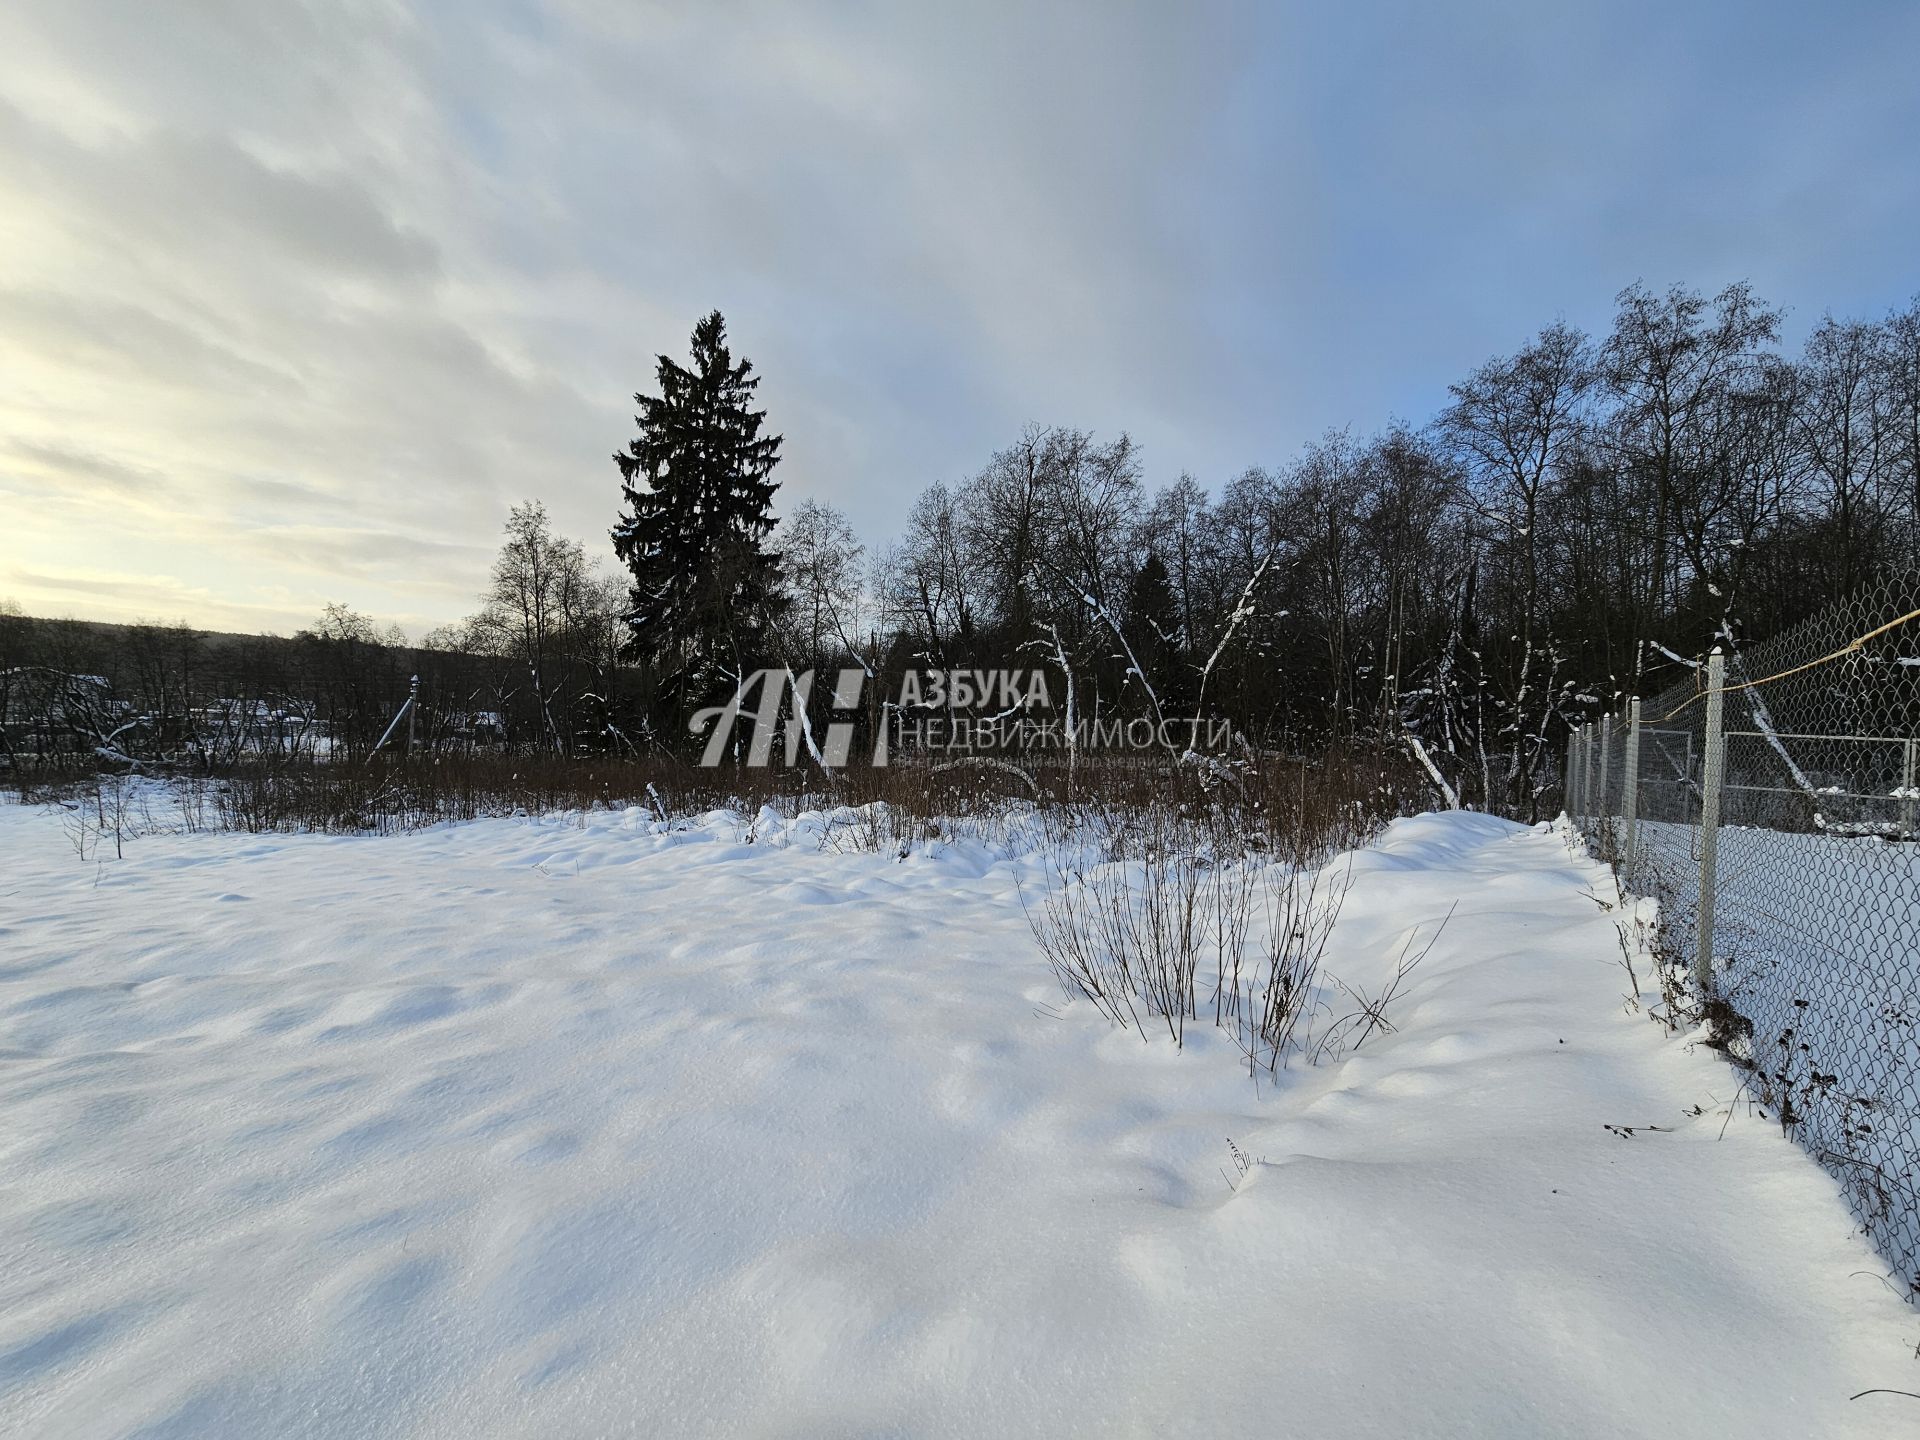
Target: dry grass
915 799
1166 890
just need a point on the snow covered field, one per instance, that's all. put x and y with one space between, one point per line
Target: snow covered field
543 1128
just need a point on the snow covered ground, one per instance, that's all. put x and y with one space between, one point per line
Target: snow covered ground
545 1128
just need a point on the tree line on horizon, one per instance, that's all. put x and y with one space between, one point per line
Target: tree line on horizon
1583 510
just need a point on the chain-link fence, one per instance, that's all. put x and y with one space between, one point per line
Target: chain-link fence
1771 801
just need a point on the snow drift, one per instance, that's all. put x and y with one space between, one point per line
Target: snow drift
602 1127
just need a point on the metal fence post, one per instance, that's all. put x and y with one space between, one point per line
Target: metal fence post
1716 759
1909 780
1630 788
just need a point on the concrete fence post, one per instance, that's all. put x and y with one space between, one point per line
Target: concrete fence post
1573 773
1587 771
1569 797
1630 790
1604 810
1716 760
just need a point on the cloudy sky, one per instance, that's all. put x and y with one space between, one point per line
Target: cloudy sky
296 300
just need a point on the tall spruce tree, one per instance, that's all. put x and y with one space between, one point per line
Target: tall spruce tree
1153 633
699 494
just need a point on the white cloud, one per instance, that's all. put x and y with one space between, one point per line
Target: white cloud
297 299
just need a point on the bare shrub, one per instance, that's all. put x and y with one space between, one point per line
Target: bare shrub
1369 1016
101 810
1301 907
1137 890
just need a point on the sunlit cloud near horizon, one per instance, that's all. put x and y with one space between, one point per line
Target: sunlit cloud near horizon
298 301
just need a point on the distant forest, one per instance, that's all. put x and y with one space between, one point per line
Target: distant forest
1583 511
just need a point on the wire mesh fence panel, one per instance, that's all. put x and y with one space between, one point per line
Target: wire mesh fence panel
1603 756
1667 859
1817 929
1610 743
1815 924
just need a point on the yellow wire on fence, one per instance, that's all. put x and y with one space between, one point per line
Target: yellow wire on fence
1846 649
